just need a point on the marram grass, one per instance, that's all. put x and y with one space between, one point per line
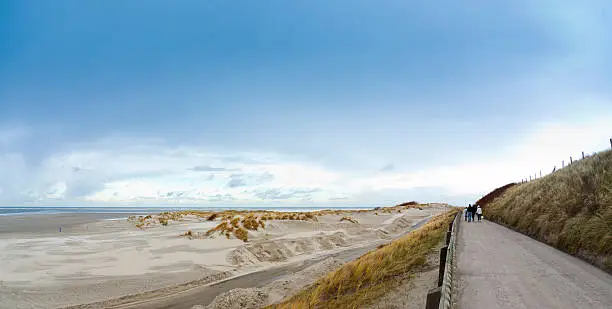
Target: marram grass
364 280
570 209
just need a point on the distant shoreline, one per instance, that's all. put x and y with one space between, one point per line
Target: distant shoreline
24 210
49 223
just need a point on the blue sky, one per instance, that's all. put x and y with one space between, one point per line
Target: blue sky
295 103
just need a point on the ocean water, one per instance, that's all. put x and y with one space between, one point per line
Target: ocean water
21 210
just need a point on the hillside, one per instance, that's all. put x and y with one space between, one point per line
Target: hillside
570 209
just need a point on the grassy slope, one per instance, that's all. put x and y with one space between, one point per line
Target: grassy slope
360 282
570 209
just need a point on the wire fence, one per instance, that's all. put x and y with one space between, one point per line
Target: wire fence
564 163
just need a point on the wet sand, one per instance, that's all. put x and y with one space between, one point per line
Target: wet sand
50 223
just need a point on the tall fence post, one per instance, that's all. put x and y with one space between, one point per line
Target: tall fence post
611 143
443 253
540 173
571 161
583 155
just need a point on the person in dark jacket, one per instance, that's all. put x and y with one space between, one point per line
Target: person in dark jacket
470 213
474 213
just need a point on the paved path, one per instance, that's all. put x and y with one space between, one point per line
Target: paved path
499 268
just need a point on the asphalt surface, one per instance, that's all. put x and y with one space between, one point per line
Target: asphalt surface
499 268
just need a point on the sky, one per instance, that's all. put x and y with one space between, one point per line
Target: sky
295 103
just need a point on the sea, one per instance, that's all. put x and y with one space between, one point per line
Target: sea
22 210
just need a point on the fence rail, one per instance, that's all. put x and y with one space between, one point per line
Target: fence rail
441 296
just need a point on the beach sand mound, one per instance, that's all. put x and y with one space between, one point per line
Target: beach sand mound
283 249
253 298
250 298
398 225
289 285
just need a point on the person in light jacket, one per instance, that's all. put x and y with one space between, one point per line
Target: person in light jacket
479 213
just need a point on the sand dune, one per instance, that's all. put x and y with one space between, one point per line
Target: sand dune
109 259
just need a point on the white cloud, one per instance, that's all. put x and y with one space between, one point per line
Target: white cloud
152 173
546 147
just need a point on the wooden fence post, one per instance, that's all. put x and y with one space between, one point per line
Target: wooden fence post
571 161
540 173
433 298
443 252
583 155
611 143
554 168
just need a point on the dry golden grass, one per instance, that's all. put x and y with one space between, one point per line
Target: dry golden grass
349 219
359 283
236 226
242 234
163 221
251 223
239 222
570 209
163 218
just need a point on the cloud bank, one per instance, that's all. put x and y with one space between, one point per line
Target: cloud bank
124 171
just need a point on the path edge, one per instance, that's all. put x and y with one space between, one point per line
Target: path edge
450 274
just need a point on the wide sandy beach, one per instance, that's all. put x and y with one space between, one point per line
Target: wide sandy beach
105 260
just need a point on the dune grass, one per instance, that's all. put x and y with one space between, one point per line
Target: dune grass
237 223
570 209
360 282
349 219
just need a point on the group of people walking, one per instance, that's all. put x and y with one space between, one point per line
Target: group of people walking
471 212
